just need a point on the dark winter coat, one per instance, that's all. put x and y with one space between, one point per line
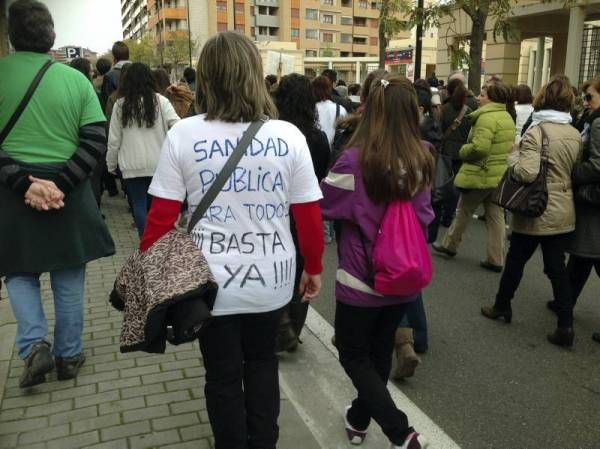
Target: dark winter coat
586 242
431 131
456 139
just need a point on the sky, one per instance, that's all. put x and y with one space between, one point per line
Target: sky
94 24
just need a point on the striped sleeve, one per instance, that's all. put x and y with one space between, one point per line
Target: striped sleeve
12 175
91 149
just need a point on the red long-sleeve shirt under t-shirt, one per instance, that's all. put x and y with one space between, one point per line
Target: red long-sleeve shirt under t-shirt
163 215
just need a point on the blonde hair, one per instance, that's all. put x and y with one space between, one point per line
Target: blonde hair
230 82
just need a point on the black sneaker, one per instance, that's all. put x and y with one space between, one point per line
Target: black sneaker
68 367
37 365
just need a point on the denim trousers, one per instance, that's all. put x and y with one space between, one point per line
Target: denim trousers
365 341
521 249
242 381
416 319
68 287
137 192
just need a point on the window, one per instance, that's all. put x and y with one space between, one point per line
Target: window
311 53
360 21
346 38
295 33
252 31
363 4
221 6
312 14
221 27
327 2
347 3
374 23
312 34
295 13
374 5
327 18
347 20
240 28
327 37
239 8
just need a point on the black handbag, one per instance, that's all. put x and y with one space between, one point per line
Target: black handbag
527 199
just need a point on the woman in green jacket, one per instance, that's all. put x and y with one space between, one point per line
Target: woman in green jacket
484 163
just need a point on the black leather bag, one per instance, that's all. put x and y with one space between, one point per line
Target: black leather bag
529 200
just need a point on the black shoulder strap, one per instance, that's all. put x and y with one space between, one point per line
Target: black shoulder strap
225 173
25 101
337 110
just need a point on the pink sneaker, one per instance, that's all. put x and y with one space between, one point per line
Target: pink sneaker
413 441
355 437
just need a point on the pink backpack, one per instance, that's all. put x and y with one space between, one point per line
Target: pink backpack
401 259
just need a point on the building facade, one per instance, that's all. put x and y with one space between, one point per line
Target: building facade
548 38
134 18
320 28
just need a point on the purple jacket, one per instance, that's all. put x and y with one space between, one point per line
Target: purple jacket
345 199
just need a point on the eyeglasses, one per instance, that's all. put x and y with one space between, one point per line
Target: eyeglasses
587 97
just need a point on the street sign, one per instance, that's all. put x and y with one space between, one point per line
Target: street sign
73 52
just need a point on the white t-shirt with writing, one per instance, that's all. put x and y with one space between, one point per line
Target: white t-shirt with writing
245 234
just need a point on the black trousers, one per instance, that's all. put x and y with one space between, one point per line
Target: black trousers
242 382
365 341
579 269
521 249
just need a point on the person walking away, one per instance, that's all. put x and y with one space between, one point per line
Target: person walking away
387 141
182 99
138 127
524 108
332 76
433 81
411 334
110 83
483 165
328 111
354 95
189 74
550 131
585 248
296 104
455 127
49 221
246 249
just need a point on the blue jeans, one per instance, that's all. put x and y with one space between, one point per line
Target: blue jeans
416 319
68 287
137 191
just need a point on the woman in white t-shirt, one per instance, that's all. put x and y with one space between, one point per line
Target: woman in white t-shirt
328 111
245 234
138 127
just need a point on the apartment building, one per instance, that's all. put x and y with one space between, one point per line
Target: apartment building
331 28
134 18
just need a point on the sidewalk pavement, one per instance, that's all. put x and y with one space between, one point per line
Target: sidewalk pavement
138 400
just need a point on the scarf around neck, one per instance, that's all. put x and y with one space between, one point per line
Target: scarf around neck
549 116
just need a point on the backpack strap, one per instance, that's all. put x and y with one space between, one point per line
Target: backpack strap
25 101
337 111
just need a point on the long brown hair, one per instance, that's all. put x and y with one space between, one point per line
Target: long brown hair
393 161
498 92
229 82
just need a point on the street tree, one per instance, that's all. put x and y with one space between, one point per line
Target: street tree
142 50
177 49
394 11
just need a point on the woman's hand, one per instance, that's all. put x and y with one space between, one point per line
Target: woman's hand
43 195
310 286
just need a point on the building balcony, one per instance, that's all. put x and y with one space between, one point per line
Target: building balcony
262 20
272 3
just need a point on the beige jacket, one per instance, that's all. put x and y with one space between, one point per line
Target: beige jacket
564 150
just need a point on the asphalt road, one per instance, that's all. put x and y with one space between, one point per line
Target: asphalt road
490 385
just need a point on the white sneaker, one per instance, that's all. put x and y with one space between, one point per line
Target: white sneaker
413 441
355 437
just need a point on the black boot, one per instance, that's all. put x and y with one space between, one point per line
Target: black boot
37 364
68 367
562 336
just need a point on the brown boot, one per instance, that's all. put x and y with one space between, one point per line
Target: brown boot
407 359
